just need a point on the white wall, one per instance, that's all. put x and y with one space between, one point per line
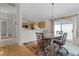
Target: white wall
28 36
4 16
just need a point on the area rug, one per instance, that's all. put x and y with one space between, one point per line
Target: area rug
33 46
72 49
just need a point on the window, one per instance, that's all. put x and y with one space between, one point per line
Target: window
65 26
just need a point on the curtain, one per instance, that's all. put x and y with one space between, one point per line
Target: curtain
75 26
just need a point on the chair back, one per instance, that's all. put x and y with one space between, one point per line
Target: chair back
59 33
64 38
40 38
64 35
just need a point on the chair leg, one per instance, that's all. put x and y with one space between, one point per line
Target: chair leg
43 51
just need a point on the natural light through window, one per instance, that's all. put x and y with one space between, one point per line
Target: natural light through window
66 27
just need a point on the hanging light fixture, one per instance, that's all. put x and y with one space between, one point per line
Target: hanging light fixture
52 10
52 21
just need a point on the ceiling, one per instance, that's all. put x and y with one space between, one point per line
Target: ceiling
8 8
38 10
62 8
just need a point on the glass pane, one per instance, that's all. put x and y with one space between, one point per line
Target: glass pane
57 26
3 29
68 28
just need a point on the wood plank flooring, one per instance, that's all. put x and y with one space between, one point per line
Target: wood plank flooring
15 50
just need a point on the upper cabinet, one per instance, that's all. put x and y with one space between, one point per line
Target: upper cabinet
41 24
27 25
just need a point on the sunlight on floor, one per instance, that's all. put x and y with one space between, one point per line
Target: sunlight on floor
1 52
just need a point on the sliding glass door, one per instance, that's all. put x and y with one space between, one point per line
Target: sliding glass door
64 26
57 26
68 28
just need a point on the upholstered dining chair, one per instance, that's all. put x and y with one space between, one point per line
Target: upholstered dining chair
60 39
58 45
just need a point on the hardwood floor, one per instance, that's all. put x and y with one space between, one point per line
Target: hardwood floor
15 50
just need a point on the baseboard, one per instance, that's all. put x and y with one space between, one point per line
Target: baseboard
7 42
20 44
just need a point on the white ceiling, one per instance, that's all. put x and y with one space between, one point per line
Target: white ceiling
7 8
61 8
37 10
